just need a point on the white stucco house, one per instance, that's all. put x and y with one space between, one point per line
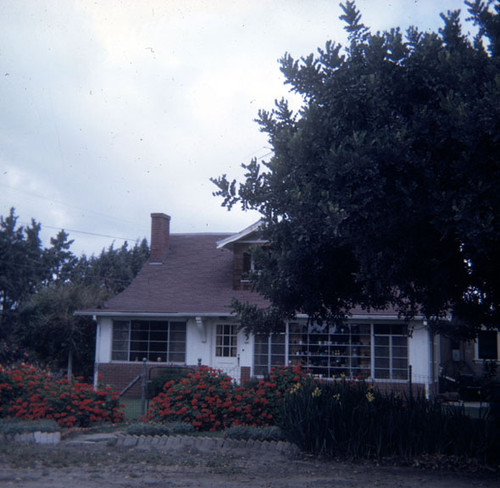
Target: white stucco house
177 312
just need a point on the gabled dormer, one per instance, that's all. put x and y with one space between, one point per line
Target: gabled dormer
240 244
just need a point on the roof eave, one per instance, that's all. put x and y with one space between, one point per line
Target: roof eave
90 313
354 317
229 241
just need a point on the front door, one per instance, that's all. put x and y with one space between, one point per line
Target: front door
226 349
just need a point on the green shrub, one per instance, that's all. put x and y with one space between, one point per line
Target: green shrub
157 382
180 428
17 426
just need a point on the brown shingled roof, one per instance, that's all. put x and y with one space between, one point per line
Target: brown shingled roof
195 278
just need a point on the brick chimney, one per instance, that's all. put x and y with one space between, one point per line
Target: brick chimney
160 236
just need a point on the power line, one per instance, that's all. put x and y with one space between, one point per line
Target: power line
42 197
254 153
88 233
34 265
85 232
95 234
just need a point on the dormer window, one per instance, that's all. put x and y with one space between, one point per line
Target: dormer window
249 266
242 245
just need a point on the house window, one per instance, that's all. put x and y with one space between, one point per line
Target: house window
331 350
357 351
226 341
391 351
269 350
487 345
154 340
249 266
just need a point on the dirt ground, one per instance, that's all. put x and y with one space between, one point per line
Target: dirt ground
99 464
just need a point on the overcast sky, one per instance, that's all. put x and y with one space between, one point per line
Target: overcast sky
113 109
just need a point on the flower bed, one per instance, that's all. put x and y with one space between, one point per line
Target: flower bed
341 418
209 400
30 393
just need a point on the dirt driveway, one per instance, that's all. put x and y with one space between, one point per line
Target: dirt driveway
98 465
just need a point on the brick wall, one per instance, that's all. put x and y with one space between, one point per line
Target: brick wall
245 373
402 388
160 236
119 375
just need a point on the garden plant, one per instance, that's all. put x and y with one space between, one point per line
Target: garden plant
209 400
348 419
352 419
31 393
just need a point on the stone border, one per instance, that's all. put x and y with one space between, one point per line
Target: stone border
162 442
204 443
34 437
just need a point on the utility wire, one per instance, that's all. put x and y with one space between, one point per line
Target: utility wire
86 232
42 197
85 276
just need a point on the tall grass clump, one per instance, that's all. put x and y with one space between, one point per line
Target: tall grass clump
352 419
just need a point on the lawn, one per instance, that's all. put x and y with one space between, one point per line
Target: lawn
132 408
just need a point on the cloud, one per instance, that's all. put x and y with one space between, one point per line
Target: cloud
113 109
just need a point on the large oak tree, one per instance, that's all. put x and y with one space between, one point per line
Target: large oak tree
383 189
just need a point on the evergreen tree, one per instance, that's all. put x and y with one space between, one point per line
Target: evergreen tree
41 288
52 333
383 189
20 272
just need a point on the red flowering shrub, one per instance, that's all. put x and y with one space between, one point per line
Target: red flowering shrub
30 393
202 398
209 400
281 380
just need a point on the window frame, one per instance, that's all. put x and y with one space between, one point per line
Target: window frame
267 351
353 343
477 347
134 349
228 347
249 267
392 334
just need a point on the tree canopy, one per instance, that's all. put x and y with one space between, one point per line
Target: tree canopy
383 189
50 331
20 270
40 288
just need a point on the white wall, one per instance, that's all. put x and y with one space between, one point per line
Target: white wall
245 347
104 340
419 354
198 341
200 344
